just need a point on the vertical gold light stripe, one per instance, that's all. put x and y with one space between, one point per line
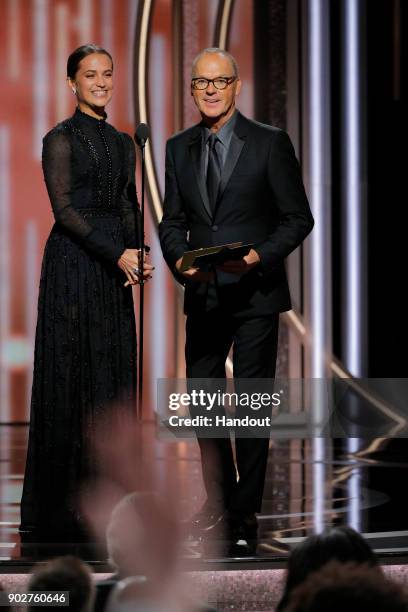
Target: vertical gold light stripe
142 106
224 24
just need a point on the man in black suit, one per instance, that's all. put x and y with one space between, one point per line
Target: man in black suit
232 179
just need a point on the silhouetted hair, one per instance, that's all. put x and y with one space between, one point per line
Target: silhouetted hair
216 50
4 608
341 543
79 54
339 587
65 574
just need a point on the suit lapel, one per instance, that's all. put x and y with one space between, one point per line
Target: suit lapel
196 157
235 149
234 152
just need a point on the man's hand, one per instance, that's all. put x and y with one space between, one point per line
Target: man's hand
241 266
194 274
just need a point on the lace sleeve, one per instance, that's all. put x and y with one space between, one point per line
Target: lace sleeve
56 161
130 211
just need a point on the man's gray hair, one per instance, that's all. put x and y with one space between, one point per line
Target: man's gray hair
223 52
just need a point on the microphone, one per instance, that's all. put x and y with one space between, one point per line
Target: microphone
142 134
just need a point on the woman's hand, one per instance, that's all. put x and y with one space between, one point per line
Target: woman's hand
129 262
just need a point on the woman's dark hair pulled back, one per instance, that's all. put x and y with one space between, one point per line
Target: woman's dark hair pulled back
79 54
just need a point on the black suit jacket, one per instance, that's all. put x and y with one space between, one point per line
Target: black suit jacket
261 200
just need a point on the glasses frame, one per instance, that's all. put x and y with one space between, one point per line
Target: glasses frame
229 80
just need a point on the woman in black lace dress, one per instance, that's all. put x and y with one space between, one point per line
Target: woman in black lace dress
85 350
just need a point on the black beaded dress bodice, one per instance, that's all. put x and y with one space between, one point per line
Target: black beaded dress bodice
89 171
103 149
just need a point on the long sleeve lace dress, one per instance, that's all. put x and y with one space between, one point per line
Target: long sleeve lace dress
85 348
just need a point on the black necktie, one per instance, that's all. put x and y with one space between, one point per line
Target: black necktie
213 172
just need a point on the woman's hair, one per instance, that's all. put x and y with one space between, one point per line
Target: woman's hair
79 54
341 544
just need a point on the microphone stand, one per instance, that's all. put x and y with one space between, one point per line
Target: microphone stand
139 408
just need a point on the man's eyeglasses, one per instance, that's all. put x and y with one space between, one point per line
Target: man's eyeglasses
219 82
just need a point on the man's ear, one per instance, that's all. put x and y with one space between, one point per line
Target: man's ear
238 86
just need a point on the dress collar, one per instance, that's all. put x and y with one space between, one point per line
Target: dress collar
88 118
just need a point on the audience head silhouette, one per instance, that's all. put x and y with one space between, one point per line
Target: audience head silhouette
65 574
338 587
341 544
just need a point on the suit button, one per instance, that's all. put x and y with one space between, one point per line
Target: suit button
215 228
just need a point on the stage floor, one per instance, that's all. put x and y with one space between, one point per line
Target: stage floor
309 484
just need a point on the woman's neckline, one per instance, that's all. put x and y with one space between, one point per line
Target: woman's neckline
90 118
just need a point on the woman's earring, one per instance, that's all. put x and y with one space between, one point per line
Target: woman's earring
74 91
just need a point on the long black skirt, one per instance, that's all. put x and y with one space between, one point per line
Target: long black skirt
84 371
